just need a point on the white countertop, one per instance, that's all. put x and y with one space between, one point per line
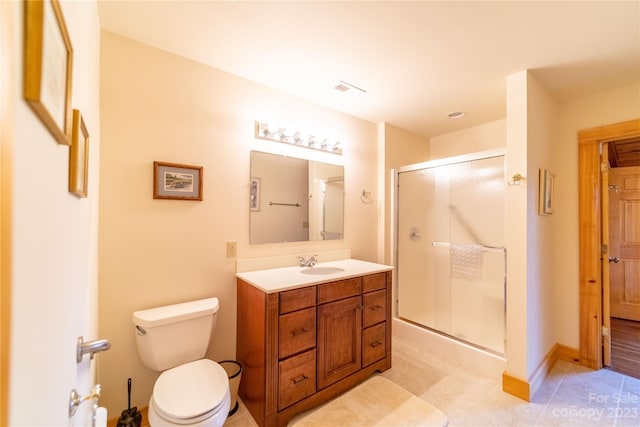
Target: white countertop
286 278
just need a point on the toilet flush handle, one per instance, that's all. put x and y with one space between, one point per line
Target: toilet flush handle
141 331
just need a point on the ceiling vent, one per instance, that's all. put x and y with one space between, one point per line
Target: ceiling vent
343 86
456 114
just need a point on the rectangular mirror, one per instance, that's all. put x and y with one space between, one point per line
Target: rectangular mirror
294 200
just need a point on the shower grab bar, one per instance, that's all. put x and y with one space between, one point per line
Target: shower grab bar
297 205
484 247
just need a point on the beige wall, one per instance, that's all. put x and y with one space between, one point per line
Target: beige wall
471 140
158 106
542 252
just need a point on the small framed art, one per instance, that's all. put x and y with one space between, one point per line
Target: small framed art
545 193
254 200
177 181
79 156
48 64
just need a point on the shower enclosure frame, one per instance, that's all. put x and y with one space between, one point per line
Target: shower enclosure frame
394 235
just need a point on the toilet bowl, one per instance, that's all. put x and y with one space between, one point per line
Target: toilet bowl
191 390
193 394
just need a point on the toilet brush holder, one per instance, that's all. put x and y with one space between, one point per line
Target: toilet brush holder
130 417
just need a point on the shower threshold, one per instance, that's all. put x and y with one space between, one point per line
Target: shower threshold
457 338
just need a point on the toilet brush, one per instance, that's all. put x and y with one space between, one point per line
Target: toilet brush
130 417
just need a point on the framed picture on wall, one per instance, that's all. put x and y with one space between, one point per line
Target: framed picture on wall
545 193
48 64
177 181
254 200
79 156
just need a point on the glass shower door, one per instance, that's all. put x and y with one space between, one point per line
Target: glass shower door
451 257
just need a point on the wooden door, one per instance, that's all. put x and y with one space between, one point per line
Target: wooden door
590 226
339 340
624 242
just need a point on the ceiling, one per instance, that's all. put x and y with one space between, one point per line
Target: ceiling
417 61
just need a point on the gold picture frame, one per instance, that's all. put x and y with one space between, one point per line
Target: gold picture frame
48 65
177 181
79 157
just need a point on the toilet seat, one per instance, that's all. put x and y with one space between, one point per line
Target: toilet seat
190 393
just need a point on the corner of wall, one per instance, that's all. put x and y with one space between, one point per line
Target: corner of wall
527 389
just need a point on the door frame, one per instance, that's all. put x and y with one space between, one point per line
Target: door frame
590 234
7 95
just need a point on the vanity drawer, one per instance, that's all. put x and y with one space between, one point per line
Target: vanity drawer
296 332
297 378
374 308
373 344
297 299
338 290
374 282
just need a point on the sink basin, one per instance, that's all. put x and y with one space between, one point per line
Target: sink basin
320 271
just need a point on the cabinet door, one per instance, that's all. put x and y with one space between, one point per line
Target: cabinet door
339 340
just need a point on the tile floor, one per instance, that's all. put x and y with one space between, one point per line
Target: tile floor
570 396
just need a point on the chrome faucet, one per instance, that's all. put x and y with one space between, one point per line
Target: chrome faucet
303 262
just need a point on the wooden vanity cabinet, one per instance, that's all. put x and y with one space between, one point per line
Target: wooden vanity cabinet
302 347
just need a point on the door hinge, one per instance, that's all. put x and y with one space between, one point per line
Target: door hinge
605 331
604 167
604 248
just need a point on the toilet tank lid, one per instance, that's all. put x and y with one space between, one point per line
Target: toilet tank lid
176 312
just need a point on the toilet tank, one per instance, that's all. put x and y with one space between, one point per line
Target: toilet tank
175 334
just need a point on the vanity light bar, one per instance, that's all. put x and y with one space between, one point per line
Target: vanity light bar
280 134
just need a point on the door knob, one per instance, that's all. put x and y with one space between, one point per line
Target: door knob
614 260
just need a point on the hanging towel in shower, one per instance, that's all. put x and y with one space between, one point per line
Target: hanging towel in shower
466 261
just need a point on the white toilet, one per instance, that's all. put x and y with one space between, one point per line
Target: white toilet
190 391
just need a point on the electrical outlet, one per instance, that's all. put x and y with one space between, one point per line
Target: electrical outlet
232 249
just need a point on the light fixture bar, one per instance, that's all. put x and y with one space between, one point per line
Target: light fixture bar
280 134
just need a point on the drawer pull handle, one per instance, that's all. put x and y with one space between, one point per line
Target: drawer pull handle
375 344
297 332
375 308
299 379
